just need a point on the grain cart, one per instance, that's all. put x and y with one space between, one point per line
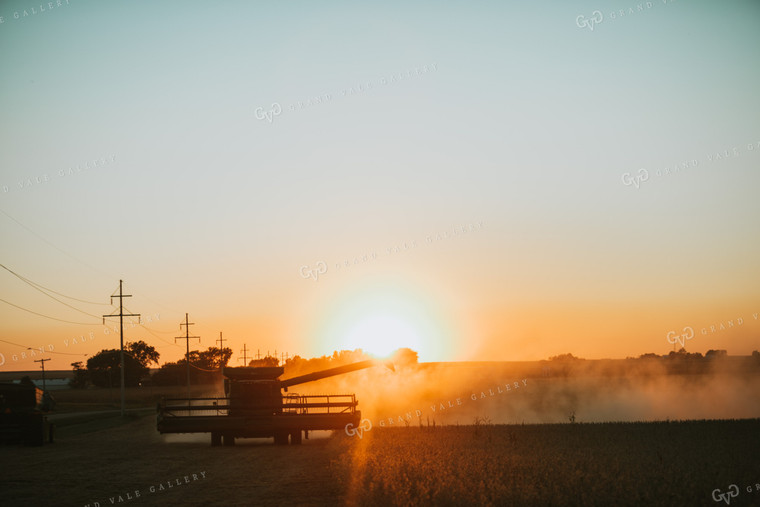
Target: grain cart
254 406
23 419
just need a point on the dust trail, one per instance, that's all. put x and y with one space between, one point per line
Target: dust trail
458 393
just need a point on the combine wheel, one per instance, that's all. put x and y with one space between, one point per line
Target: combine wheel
295 437
216 438
281 438
228 439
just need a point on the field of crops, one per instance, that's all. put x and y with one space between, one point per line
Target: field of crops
675 463
115 461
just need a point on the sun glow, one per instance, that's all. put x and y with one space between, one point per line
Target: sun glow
382 334
381 319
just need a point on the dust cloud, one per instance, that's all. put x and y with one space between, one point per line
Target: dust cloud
550 392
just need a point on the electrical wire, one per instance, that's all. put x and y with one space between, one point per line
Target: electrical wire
45 351
155 335
56 299
35 285
50 244
47 316
75 258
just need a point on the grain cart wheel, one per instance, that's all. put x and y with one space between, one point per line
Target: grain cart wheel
228 439
216 439
281 438
295 437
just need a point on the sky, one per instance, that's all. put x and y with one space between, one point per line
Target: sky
476 181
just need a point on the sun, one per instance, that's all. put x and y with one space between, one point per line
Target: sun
382 334
382 318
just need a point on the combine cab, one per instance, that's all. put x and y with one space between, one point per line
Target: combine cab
254 406
22 414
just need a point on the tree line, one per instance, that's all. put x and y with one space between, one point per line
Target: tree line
104 368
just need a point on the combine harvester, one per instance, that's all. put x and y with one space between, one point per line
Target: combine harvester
254 406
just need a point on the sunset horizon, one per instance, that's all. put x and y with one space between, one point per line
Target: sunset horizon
340 253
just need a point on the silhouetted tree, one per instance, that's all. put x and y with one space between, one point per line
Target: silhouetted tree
405 356
81 378
104 369
205 366
144 353
564 357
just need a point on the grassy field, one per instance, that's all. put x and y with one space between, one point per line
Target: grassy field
676 463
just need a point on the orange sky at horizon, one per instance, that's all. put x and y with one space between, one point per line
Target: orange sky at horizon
521 333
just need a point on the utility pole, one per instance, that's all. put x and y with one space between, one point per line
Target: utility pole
44 387
221 348
187 338
245 356
121 315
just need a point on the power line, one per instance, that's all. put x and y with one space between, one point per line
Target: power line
38 348
48 295
187 357
75 258
47 316
121 316
156 330
221 346
155 335
35 285
49 243
245 355
42 362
